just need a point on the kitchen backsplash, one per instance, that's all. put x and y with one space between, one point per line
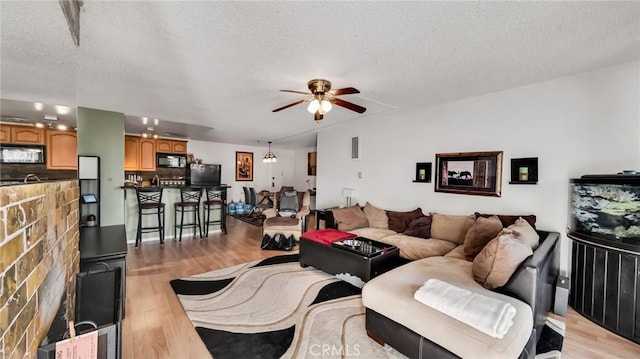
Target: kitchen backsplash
13 171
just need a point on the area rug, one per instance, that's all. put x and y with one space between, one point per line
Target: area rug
253 219
273 308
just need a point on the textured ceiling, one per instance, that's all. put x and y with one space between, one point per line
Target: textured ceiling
219 65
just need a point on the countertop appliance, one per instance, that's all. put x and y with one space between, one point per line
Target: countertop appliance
199 174
171 160
12 153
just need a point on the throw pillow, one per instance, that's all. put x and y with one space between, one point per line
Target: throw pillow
398 221
451 228
498 260
524 232
419 227
481 232
350 218
508 220
376 217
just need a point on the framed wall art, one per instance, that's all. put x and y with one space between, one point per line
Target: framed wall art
475 173
423 172
312 159
244 166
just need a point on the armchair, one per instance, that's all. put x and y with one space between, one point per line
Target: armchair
284 219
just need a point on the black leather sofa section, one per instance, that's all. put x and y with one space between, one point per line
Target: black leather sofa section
533 283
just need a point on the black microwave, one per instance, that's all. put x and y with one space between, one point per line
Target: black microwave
171 160
10 153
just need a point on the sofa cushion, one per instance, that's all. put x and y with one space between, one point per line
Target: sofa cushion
451 228
398 221
350 218
524 232
499 259
419 227
376 217
391 295
372 233
414 248
481 232
508 220
457 253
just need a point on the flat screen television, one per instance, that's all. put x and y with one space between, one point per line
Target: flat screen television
606 208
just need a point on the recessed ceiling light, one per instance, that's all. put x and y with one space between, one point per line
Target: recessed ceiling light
39 125
144 120
62 110
38 106
155 121
61 127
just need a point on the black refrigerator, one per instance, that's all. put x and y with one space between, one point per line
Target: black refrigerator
202 174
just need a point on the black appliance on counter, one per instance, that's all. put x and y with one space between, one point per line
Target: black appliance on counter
32 154
199 174
171 160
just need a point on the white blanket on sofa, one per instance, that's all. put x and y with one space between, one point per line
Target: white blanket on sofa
491 316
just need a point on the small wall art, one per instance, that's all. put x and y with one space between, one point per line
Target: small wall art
524 170
423 172
244 166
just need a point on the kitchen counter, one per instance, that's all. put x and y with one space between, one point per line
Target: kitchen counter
170 196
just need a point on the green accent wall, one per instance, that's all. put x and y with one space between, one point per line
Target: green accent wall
101 133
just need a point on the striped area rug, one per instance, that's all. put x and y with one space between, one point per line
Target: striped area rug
273 308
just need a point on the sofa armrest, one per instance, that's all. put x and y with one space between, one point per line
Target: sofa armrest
303 212
534 282
270 212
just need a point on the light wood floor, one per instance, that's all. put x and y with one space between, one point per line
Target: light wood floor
157 327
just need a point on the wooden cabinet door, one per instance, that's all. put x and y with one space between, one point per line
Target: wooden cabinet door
179 146
30 135
163 145
62 150
147 155
131 153
5 133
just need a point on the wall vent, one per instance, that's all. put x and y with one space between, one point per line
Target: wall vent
355 148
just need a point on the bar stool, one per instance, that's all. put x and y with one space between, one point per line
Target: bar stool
189 202
150 203
216 199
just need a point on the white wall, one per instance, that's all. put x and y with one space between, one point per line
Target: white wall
581 124
225 154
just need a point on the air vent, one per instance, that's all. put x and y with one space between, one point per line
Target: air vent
14 119
355 148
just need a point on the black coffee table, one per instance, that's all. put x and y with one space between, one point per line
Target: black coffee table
360 257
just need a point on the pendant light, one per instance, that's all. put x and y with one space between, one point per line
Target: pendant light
270 157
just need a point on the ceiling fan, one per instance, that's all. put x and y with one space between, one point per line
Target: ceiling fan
321 98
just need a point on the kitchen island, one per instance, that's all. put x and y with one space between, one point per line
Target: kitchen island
170 196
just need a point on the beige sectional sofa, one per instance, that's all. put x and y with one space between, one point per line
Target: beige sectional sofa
498 257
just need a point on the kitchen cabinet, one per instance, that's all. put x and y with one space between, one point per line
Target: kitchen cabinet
131 153
164 145
171 146
179 146
139 154
62 150
147 154
5 133
22 135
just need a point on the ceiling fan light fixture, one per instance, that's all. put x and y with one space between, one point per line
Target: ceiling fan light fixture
326 105
270 157
313 106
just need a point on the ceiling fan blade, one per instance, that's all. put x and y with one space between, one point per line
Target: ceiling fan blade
318 116
300 92
348 105
287 106
344 91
